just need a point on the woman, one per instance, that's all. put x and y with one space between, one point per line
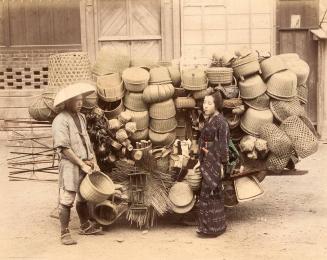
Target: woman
213 144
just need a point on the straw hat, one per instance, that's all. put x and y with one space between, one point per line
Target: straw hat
302 93
163 110
185 102
194 79
140 135
300 68
140 118
253 120
181 194
259 103
115 109
110 87
159 75
282 85
220 75
283 109
247 188
271 65
135 79
158 93
244 66
73 90
163 125
185 209
134 101
175 75
162 139
252 87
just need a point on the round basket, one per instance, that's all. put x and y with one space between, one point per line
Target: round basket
163 125
253 120
175 75
96 187
162 139
220 75
304 141
194 177
302 93
181 194
300 68
112 110
259 103
135 79
159 75
282 85
106 213
202 93
39 110
110 87
277 162
278 142
158 93
244 66
271 66
194 79
68 68
134 101
140 135
185 102
283 109
163 110
140 118
252 87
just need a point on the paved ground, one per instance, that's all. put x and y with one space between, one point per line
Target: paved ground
288 222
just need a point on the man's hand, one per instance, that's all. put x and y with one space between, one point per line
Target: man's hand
85 168
96 168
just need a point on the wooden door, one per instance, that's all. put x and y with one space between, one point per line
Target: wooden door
294 20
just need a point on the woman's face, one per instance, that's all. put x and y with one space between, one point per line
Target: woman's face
209 106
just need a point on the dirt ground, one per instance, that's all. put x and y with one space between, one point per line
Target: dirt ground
288 222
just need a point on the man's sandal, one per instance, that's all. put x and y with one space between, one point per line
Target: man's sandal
91 229
66 239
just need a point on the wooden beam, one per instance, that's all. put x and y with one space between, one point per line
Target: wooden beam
176 29
6 25
130 38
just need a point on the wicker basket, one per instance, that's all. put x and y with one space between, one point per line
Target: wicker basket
159 75
175 75
110 87
253 120
67 68
202 93
283 109
48 97
259 103
194 79
163 125
158 93
39 110
282 85
304 141
300 68
114 109
232 103
185 102
96 187
163 110
159 139
107 212
252 87
302 93
135 79
232 120
244 66
140 118
277 162
220 75
134 101
271 66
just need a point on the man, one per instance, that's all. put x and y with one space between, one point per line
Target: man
76 158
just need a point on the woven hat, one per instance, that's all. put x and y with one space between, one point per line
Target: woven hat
175 75
143 62
282 85
304 141
112 110
194 79
289 56
110 61
39 110
162 139
163 125
300 68
202 93
277 162
185 102
110 87
140 135
180 194
140 118
68 68
283 109
278 142
185 209
253 120
220 75
163 110
134 101
271 66
259 103
252 87
159 75
247 188
135 79
158 93
244 66
302 93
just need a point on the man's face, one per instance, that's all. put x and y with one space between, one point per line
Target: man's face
75 104
208 106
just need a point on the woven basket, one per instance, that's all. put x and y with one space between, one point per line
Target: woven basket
158 93
181 194
252 87
271 66
163 125
175 75
163 110
300 68
106 213
302 93
232 103
185 102
277 162
232 120
96 187
135 79
39 110
246 66
140 135
194 177
67 68
194 79
110 61
140 118
110 87
253 120
304 141
259 103
134 101
282 85
278 142
202 93
112 110
220 75
159 75
159 139
283 109
231 91
48 97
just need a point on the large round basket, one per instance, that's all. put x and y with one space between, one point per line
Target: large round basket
105 213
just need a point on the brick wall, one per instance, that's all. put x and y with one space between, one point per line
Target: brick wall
27 67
